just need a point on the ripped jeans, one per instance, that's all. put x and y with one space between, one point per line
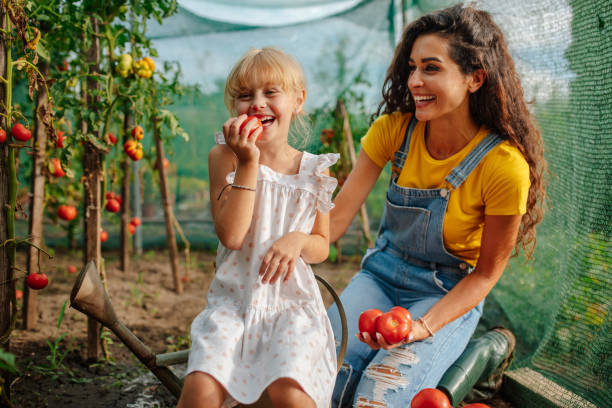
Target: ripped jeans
390 378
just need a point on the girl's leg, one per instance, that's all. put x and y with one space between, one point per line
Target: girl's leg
362 293
285 392
201 390
394 376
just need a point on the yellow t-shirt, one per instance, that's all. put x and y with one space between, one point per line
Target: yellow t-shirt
497 186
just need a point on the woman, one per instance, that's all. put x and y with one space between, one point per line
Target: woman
467 188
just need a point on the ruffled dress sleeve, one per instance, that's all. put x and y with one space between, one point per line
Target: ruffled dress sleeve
325 184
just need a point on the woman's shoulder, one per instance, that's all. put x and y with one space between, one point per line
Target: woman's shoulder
505 161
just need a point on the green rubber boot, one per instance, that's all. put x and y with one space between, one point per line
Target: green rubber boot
477 373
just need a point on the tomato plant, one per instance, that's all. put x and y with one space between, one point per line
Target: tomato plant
2 135
394 326
430 398
367 321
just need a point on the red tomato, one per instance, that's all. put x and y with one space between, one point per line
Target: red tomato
56 164
184 278
367 321
67 212
37 281
135 221
21 133
18 294
405 312
243 124
131 229
60 139
430 398
476 405
112 205
393 326
166 163
2 135
112 139
103 236
72 269
137 132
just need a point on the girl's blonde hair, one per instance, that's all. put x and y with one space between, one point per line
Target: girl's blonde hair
268 66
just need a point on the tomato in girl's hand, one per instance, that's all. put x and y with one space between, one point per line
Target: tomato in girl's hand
430 398
243 124
367 321
394 326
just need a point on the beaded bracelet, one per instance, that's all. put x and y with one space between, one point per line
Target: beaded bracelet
424 323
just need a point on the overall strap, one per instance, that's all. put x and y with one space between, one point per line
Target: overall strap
458 175
400 156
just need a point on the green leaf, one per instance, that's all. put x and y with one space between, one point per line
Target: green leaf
7 362
42 51
61 316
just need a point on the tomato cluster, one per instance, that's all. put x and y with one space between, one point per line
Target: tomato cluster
394 326
133 149
113 202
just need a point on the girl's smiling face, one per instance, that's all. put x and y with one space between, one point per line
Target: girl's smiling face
273 106
436 82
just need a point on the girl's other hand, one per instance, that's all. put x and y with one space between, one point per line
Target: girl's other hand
279 261
243 146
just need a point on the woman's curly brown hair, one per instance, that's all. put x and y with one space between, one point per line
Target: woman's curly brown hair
476 42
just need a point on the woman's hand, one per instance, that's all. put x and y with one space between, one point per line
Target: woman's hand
239 141
279 261
417 333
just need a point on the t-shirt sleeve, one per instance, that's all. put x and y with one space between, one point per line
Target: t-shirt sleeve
381 140
507 186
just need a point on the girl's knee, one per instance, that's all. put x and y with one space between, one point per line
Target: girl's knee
201 389
286 392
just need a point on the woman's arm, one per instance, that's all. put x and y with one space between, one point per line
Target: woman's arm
353 194
498 240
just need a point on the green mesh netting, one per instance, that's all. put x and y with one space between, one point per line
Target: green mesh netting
559 305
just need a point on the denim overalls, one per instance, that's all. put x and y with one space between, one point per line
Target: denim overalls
409 266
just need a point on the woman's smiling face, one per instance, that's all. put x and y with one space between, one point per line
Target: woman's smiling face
436 83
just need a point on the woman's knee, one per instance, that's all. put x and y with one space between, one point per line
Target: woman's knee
201 389
286 392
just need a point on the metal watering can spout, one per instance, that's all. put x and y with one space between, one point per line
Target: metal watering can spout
89 297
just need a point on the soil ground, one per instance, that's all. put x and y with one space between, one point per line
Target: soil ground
53 375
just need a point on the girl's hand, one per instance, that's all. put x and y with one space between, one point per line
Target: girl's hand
280 259
243 146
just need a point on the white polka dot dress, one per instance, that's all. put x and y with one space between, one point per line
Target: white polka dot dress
251 334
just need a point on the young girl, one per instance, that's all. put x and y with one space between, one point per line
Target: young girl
265 326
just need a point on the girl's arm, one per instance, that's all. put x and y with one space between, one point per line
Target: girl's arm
498 240
353 194
233 211
280 259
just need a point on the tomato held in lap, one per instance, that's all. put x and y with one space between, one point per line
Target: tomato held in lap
367 321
